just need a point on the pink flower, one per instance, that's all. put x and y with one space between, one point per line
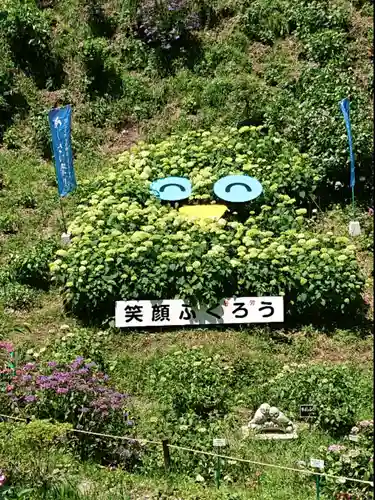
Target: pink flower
2 478
371 211
336 447
61 390
7 346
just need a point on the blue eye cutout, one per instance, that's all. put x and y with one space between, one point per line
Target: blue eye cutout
237 188
171 188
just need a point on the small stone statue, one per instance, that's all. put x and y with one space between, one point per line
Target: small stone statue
261 416
272 423
280 420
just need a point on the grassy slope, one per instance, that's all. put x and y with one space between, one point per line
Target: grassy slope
175 98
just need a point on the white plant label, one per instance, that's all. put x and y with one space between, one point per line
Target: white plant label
318 464
140 313
353 437
217 442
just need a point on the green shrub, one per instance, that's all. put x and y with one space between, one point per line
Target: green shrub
191 382
325 45
102 72
332 389
31 454
27 31
266 22
307 112
9 223
12 101
79 342
169 28
20 297
127 244
32 268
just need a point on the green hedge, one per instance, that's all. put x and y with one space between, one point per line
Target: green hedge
127 245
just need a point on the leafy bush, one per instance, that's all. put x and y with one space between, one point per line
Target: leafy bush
76 393
191 382
32 268
265 22
12 101
27 31
79 342
308 114
126 244
13 295
167 27
333 390
351 461
9 223
102 73
325 45
6 361
31 454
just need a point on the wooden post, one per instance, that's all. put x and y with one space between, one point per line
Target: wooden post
167 457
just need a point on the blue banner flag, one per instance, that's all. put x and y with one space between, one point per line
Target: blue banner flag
344 106
60 124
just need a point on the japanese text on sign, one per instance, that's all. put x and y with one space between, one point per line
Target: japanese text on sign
140 313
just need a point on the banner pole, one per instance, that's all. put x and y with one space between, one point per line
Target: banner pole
353 200
63 214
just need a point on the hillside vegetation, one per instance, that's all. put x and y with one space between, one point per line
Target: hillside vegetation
201 89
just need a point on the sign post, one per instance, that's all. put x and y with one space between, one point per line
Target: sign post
218 443
317 464
60 125
307 412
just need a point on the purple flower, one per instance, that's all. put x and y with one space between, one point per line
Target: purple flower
30 398
29 366
130 423
52 364
77 362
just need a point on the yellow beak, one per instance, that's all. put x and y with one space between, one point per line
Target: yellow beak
203 211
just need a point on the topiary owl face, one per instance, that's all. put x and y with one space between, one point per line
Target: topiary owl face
129 244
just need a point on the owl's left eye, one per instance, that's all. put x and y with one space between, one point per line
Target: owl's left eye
171 188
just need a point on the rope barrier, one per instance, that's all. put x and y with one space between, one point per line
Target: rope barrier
208 453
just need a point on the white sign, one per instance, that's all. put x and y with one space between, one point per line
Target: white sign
319 464
139 313
219 442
